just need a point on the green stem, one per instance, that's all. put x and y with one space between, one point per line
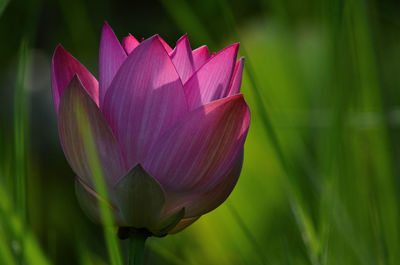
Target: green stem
136 248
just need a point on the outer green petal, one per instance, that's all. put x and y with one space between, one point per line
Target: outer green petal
89 201
141 200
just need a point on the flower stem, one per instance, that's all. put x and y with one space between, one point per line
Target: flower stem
136 248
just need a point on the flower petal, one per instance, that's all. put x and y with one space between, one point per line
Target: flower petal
211 81
168 222
236 81
78 115
111 56
63 68
144 99
200 56
182 58
129 43
164 44
141 200
211 199
183 224
89 201
201 147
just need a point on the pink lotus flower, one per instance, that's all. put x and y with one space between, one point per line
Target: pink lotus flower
168 125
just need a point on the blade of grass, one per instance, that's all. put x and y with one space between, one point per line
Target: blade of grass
301 216
248 234
80 28
6 256
167 255
20 120
100 186
370 94
187 19
32 252
3 5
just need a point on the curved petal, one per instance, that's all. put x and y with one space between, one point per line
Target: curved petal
168 222
129 43
183 224
200 56
141 200
63 68
201 147
214 197
236 81
144 99
80 118
111 56
89 201
211 81
182 58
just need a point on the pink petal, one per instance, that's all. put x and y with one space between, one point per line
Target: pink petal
63 68
236 81
111 56
145 98
129 43
165 45
200 56
79 114
201 147
182 58
211 81
209 200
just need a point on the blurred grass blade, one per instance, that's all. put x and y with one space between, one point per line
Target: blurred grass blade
302 219
370 99
100 186
3 5
28 245
257 248
77 19
172 258
6 256
187 20
20 121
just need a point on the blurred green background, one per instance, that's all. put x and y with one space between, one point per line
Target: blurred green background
320 183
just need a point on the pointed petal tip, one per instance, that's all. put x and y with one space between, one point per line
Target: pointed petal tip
107 28
163 42
237 99
59 50
184 37
76 82
129 43
105 24
153 38
59 47
234 46
212 79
